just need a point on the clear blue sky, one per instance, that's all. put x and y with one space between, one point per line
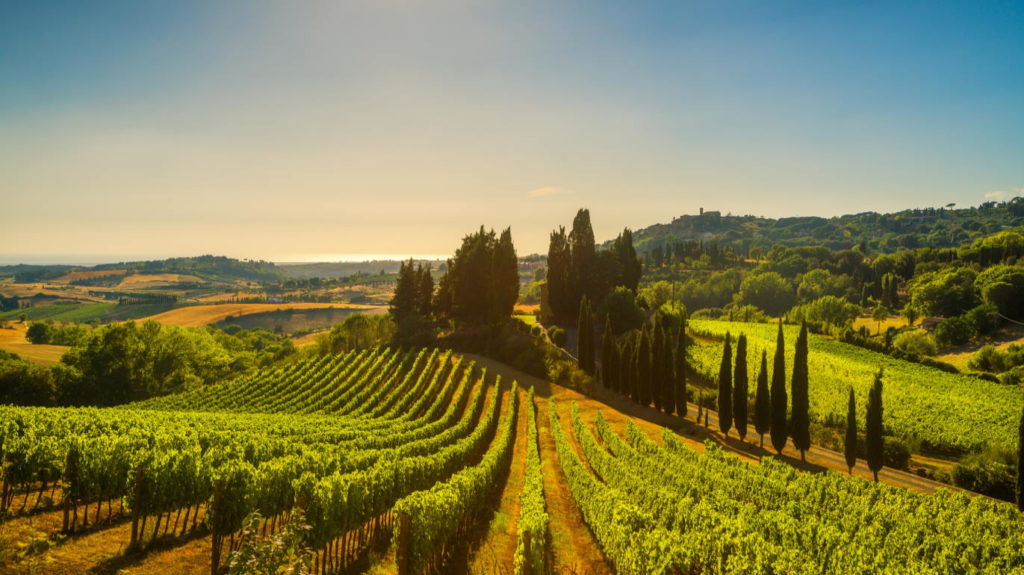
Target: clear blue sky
284 130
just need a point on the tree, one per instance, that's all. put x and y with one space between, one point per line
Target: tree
481 278
880 314
779 429
668 372
581 246
801 417
609 370
725 388
873 431
642 361
679 357
762 401
628 260
1020 464
657 365
739 401
621 308
405 299
504 276
585 338
559 274
627 369
850 446
768 291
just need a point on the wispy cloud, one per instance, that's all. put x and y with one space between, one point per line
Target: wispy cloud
549 191
1003 195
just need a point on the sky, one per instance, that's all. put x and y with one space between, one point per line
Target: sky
303 130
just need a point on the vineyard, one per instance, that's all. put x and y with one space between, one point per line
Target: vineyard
394 460
944 411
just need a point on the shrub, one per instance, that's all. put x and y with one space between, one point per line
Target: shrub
989 472
915 342
990 359
956 330
557 335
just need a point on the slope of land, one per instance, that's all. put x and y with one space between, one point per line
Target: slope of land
209 314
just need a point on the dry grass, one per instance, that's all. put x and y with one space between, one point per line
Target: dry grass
209 314
88 275
896 321
12 339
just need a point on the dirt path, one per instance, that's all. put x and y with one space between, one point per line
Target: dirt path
574 549
495 552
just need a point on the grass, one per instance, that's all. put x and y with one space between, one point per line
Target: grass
527 319
291 321
945 411
85 312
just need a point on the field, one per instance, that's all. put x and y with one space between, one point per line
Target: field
296 320
12 339
943 411
215 313
426 461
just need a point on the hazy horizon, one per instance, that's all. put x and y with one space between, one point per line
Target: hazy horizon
268 130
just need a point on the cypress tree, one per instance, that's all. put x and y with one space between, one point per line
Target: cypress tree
850 447
585 337
1020 464
762 401
583 252
679 358
739 388
725 388
874 440
668 367
779 399
643 368
559 276
608 349
627 369
801 418
657 363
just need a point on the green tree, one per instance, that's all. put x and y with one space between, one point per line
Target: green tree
657 365
482 278
627 369
405 299
642 362
680 367
1003 286
873 429
768 291
609 371
621 308
585 338
740 381
505 276
628 260
725 388
582 247
559 274
801 431
780 401
762 401
850 445
880 314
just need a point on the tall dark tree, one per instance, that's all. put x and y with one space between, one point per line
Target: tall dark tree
680 370
581 245
873 429
405 300
657 365
627 369
642 362
725 387
585 337
629 263
668 373
850 445
1020 464
609 371
559 274
504 276
425 290
801 417
739 388
762 401
780 400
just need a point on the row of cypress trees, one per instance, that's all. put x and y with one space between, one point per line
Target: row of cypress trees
770 405
648 365
874 441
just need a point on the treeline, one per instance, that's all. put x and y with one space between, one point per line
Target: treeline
123 362
576 269
751 236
